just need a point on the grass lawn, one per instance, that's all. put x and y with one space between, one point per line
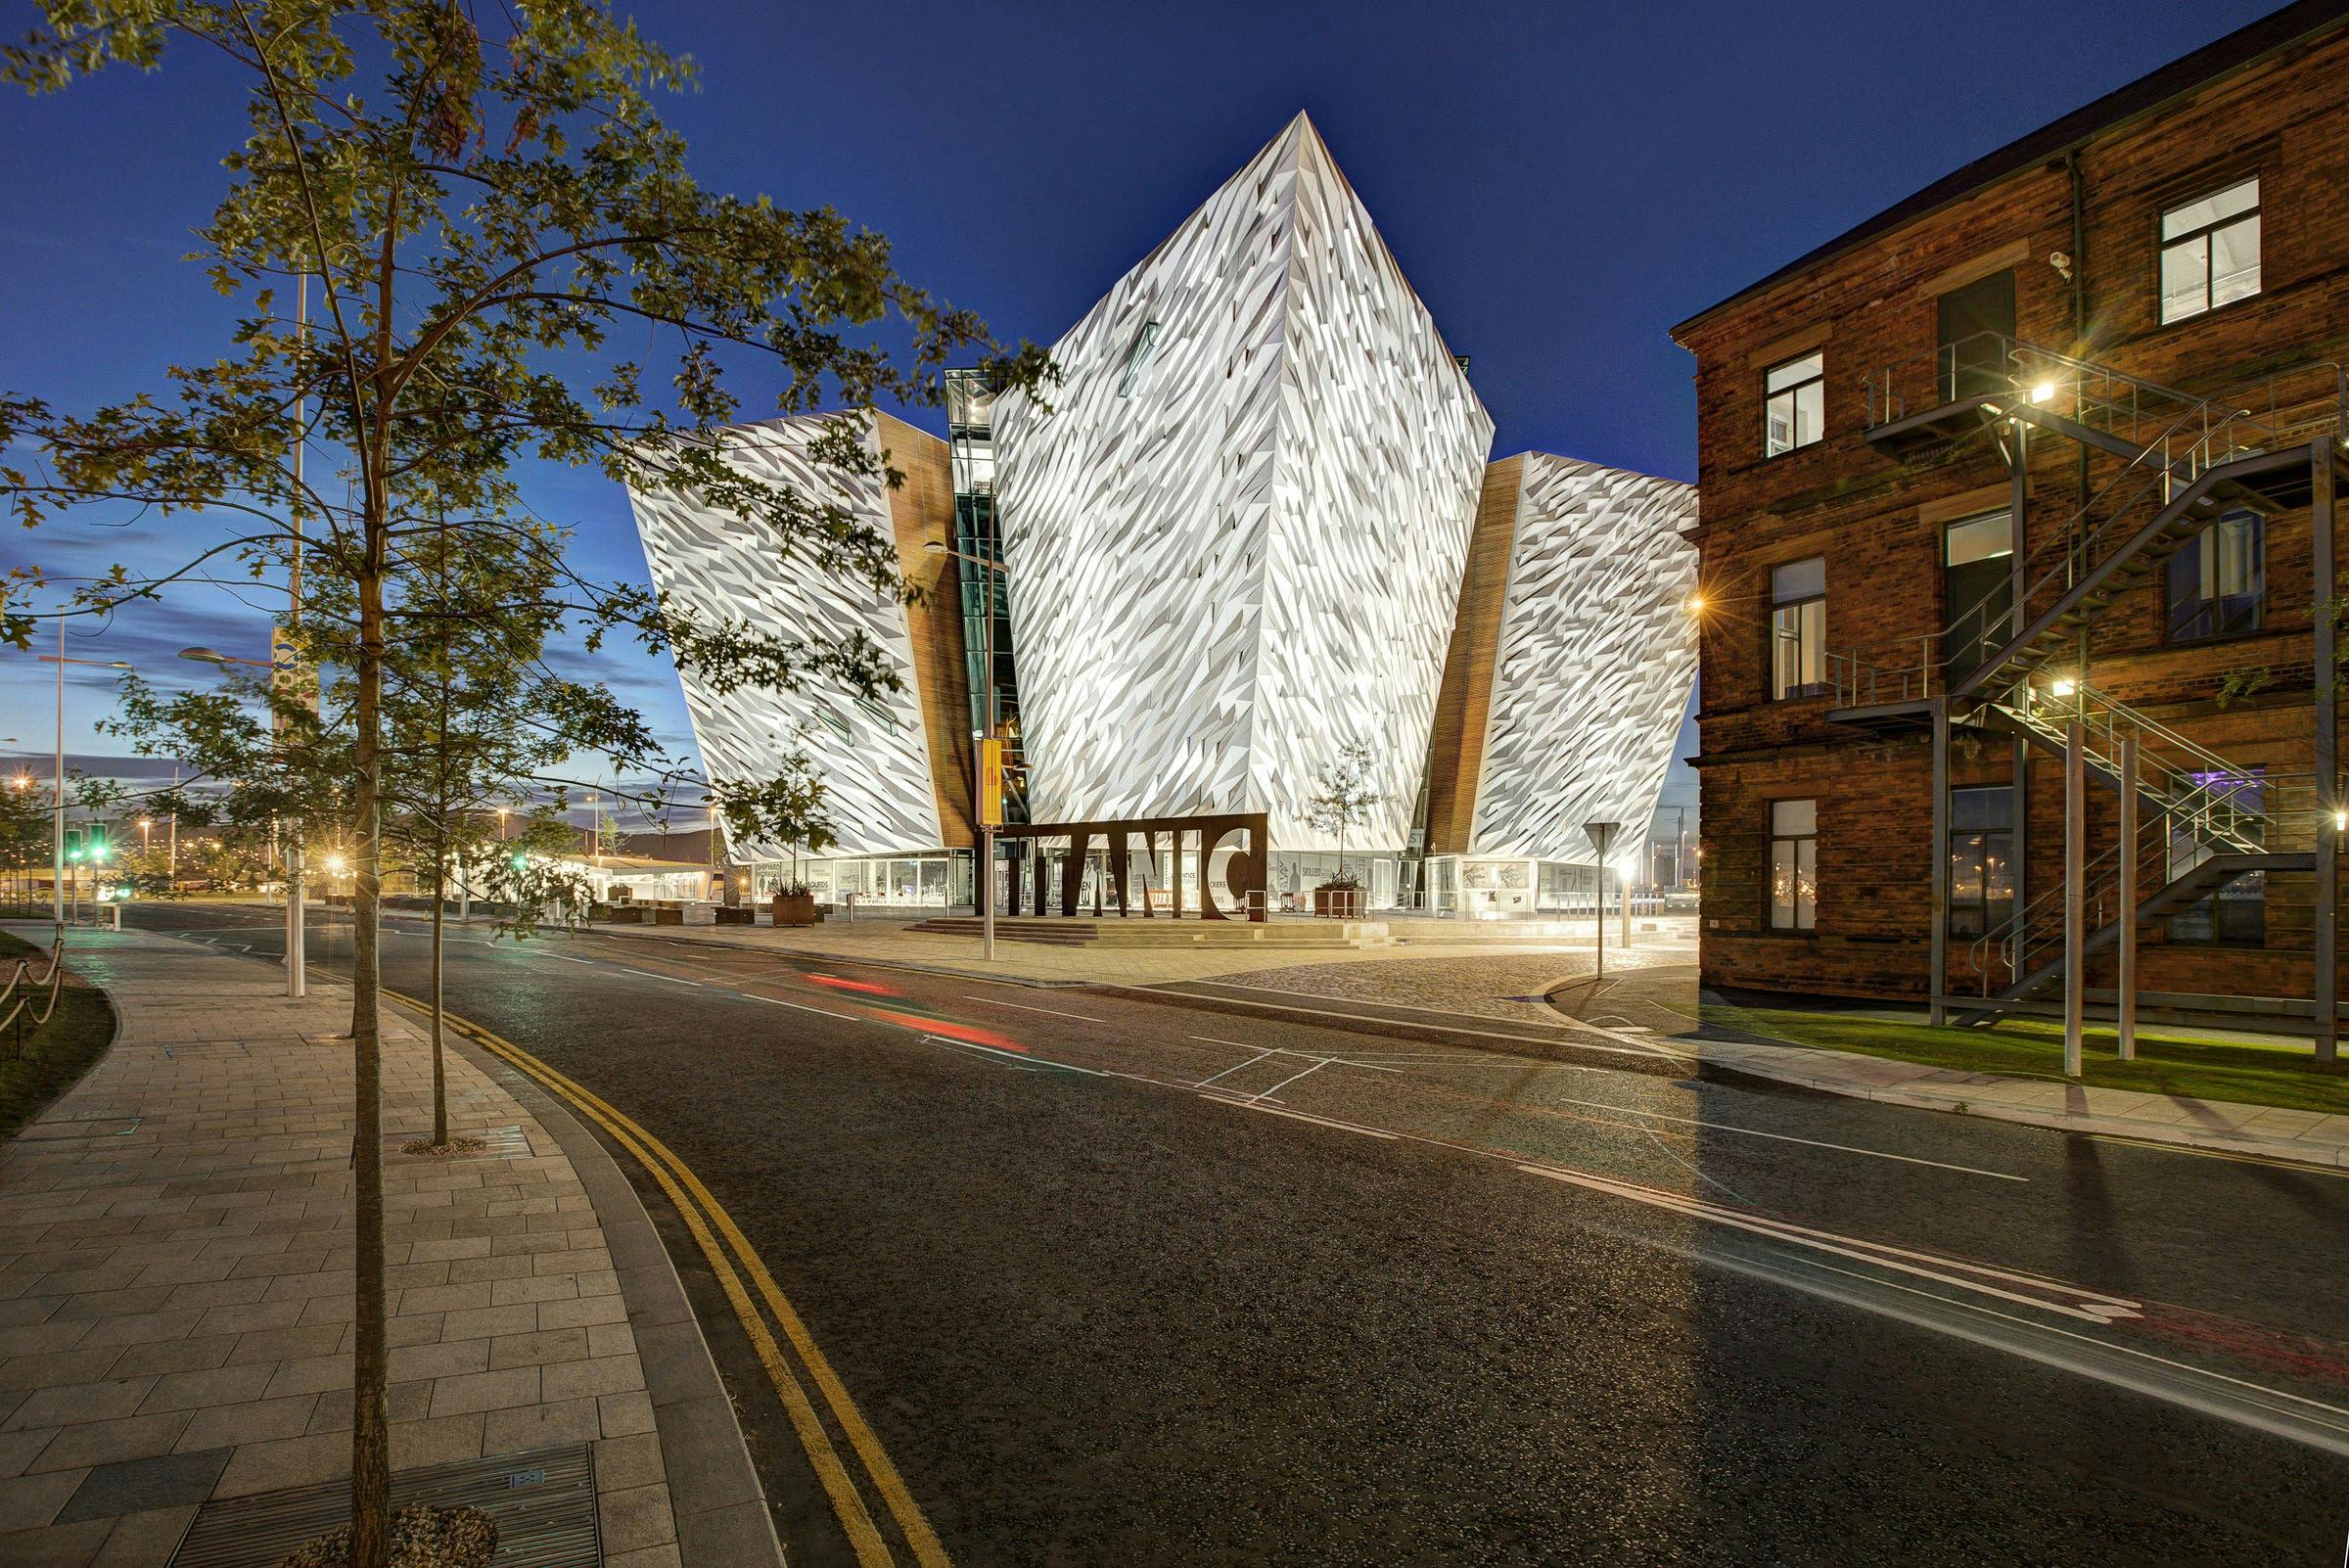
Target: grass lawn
55 1054
2167 1062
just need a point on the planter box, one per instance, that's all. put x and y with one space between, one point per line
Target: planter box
1338 903
795 909
626 914
668 915
730 916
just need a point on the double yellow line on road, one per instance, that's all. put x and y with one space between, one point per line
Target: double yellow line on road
709 1223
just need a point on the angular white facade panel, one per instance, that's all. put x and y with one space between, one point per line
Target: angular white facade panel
871 752
1234 543
1595 659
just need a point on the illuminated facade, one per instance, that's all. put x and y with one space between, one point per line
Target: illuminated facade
1237 542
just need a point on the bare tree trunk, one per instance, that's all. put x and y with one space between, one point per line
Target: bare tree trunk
370 1412
439 1079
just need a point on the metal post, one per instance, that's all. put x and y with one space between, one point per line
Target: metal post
1598 973
2075 876
297 948
2325 945
56 876
2125 1022
987 892
1937 958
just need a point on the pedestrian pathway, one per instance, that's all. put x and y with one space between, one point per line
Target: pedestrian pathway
176 1293
894 940
2311 1137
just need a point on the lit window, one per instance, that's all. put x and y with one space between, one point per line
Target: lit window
1794 404
2219 581
1793 865
2235 914
1981 860
2210 252
1798 629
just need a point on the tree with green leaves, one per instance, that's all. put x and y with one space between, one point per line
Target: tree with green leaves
1344 793
482 203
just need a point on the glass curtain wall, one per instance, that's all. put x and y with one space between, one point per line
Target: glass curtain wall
985 597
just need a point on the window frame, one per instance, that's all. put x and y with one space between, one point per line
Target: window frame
2164 244
1819 380
1772 838
1802 690
1982 837
2255 776
2170 637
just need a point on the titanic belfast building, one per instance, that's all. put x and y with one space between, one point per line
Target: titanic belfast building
1257 535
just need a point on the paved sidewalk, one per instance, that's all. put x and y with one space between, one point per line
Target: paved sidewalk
2311 1137
175 1278
892 940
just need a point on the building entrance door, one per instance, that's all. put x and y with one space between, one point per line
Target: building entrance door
1973 320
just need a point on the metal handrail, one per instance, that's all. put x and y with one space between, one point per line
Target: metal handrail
2030 929
2063 556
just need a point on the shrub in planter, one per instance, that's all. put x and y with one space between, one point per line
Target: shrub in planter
794 904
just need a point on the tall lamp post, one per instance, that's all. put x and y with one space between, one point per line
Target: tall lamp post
986 879
297 946
57 837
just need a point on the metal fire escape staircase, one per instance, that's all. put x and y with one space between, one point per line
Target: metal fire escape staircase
2184 461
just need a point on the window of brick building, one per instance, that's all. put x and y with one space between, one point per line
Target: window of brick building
2210 252
2235 914
1981 859
1798 629
1794 404
1977 587
2219 581
1793 865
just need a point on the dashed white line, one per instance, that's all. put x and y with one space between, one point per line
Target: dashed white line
1300 1115
995 1001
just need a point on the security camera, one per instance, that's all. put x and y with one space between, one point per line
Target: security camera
2061 261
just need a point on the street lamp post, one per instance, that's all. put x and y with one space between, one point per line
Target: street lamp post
57 835
297 948
985 880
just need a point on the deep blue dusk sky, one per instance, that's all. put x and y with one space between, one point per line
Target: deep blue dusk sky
1561 183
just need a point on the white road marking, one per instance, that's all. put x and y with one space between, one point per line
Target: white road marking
1294 1077
1317 1120
2094 1307
1015 1058
1457 1028
1233 1068
1785 1138
655 974
1283 1051
803 1006
1056 1012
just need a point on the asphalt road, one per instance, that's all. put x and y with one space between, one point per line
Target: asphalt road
1129 1282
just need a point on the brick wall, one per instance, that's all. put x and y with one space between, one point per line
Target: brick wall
1872 312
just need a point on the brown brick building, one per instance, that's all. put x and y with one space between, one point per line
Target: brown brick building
2050 446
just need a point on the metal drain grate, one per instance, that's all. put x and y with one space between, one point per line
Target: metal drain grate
543 1502
507 1142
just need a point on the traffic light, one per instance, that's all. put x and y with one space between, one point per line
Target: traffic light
75 846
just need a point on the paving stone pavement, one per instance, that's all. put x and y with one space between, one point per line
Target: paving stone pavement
176 1293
